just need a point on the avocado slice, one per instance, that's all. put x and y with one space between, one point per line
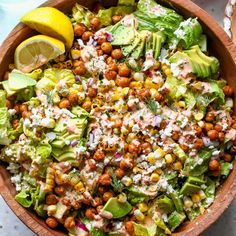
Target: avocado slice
175 219
189 189
116 208
145 230
139 50
59 143
166 204
18 81
158 39
6 87
128 49
63 154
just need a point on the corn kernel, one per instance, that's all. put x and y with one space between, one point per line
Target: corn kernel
202 195
182 104
167 231
124 130
188 202
155 177
177 165
139 215
199 116
79 187
74 180
149 84
169 158
201 124
136 84
125 91
122 198
127 181
51 209
75 53
143 207
160 152
115 97
155 146
138 76
153 132
168 72
136 170
196 198
153 92
158 171
116 107
202 210
151 158
164 67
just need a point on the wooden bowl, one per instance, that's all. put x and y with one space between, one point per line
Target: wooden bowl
220 45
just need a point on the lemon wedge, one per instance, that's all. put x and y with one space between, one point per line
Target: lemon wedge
52 22
36 51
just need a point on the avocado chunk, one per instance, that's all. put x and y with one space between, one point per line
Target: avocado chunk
18 81
63 154
128 49
189 189
166 204
139 50
145 230
116 208
175 219
6 87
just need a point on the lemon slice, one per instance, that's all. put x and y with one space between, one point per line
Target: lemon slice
51 22
36 51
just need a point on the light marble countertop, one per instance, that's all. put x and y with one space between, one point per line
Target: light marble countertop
10 225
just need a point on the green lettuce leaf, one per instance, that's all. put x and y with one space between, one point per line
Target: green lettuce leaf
24 198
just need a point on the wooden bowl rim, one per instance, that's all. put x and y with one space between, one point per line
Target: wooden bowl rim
204 221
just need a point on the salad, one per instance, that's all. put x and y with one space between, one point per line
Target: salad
124 128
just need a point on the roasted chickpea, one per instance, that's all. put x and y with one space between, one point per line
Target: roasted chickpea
117 123
100 52
92 164
87 105
234 126
86 35
117 54
144 93
210 116
110 75
122 81
221 137
163 125
101 189
119 173
90 213
105 179
134 149
96 201
106 47
17 108
73 99
69 222
214 165
106 196
228 91
80 68
218 127
198 144
126 164
112 66
92 92
51 222
99 155
116 19
227 157
85 201
175 136
146 147
95 23
64 104
198 130
216 173
5 77
129 227
51 199
184 147
8 104
26 114
79 29
101 40
15 123
159 97
99 208
23 107
213 135
59 190
208 127
123 70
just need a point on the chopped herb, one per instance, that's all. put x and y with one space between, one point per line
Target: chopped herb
107 113
141 118
179 122
115 183
152 105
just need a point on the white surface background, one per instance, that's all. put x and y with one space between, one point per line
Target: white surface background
10 225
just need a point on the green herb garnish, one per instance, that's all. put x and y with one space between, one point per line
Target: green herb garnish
152 105
115 183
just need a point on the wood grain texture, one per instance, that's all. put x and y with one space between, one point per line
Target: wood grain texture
220 45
